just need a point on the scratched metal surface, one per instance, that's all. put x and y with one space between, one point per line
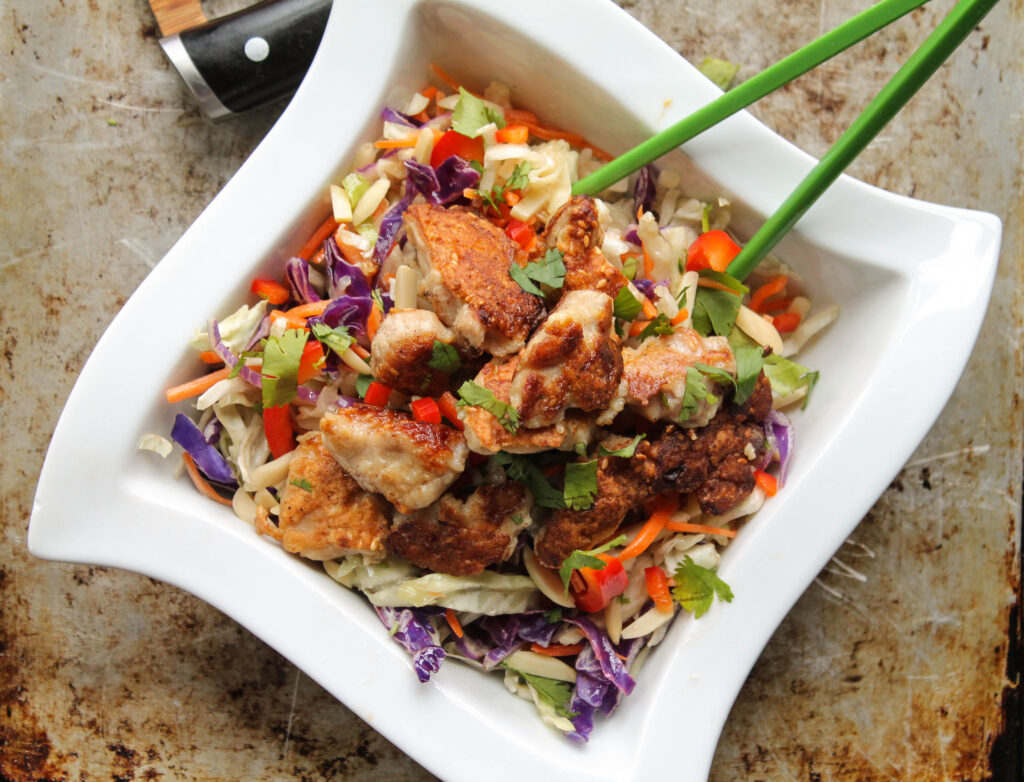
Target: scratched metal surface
895 670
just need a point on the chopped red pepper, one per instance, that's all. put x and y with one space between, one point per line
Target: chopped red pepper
712 250
426 410
512 134
657 588
454 143
311 362
600 587
277 425
446 404
557 650
272 291
377 394
769 483
521 233
786 322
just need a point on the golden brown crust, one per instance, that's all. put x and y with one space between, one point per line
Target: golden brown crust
575 230
661 361
329 513
402 349
473 257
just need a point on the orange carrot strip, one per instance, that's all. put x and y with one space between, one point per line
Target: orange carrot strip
638 326
771 288
682 526
664 506
429 92
648 263
650 311
291 321
682 315
308 310
704 282
769 483
329 226
396 143
657 588
210 357
360 351
557 650
520 116
453 622
440 73
200 483
197 386
373 321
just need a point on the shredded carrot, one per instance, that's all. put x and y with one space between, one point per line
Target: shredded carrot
771 288
200 483
453 622
373 321
422 117
520 117
396 143
648 262
429 92
664 506
704 282
557 650
291 321
349 252
650 311
197 386
657 588
329 226
682 526
637 327
309 310
682 315
513 197
360 351
549 132
769 483
210 357
440 73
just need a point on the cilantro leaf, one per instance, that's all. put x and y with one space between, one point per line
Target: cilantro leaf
471 114
281 358
378 299
749 360
630 266
363 383
787 376
626 451
549 270
580 484
337 339
627 306
477 396
554 615
696 391
723 278
661 326
696 587
714 311
519 177
522 469
721 72
445 358
557 693
302 483
578 559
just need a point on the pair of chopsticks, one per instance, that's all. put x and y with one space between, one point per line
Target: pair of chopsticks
949 34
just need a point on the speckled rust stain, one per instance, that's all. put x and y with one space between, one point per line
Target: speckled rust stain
909 675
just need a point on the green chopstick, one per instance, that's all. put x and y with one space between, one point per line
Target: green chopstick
739 97
894 95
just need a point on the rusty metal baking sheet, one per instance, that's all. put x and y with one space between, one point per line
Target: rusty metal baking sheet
899 663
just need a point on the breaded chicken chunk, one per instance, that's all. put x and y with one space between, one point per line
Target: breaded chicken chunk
402 349
655 373
572 360
462 537
485 434
324 513
714 463
465 260
386 451
574 229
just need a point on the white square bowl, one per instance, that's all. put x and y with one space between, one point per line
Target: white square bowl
910 315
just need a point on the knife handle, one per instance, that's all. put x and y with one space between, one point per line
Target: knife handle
246 59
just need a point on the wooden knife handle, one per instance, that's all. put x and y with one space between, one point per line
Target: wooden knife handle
173 16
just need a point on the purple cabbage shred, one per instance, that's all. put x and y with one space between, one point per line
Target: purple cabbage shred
643 190
207 458
297 272
412 629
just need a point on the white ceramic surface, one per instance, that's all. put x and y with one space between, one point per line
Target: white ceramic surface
909 319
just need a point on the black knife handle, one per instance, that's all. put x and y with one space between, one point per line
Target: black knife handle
246 59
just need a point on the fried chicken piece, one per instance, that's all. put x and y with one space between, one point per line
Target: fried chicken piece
462 537
572 360
485 434
655 373
324 513
410 462
711 463
465 260
575 230
402 349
